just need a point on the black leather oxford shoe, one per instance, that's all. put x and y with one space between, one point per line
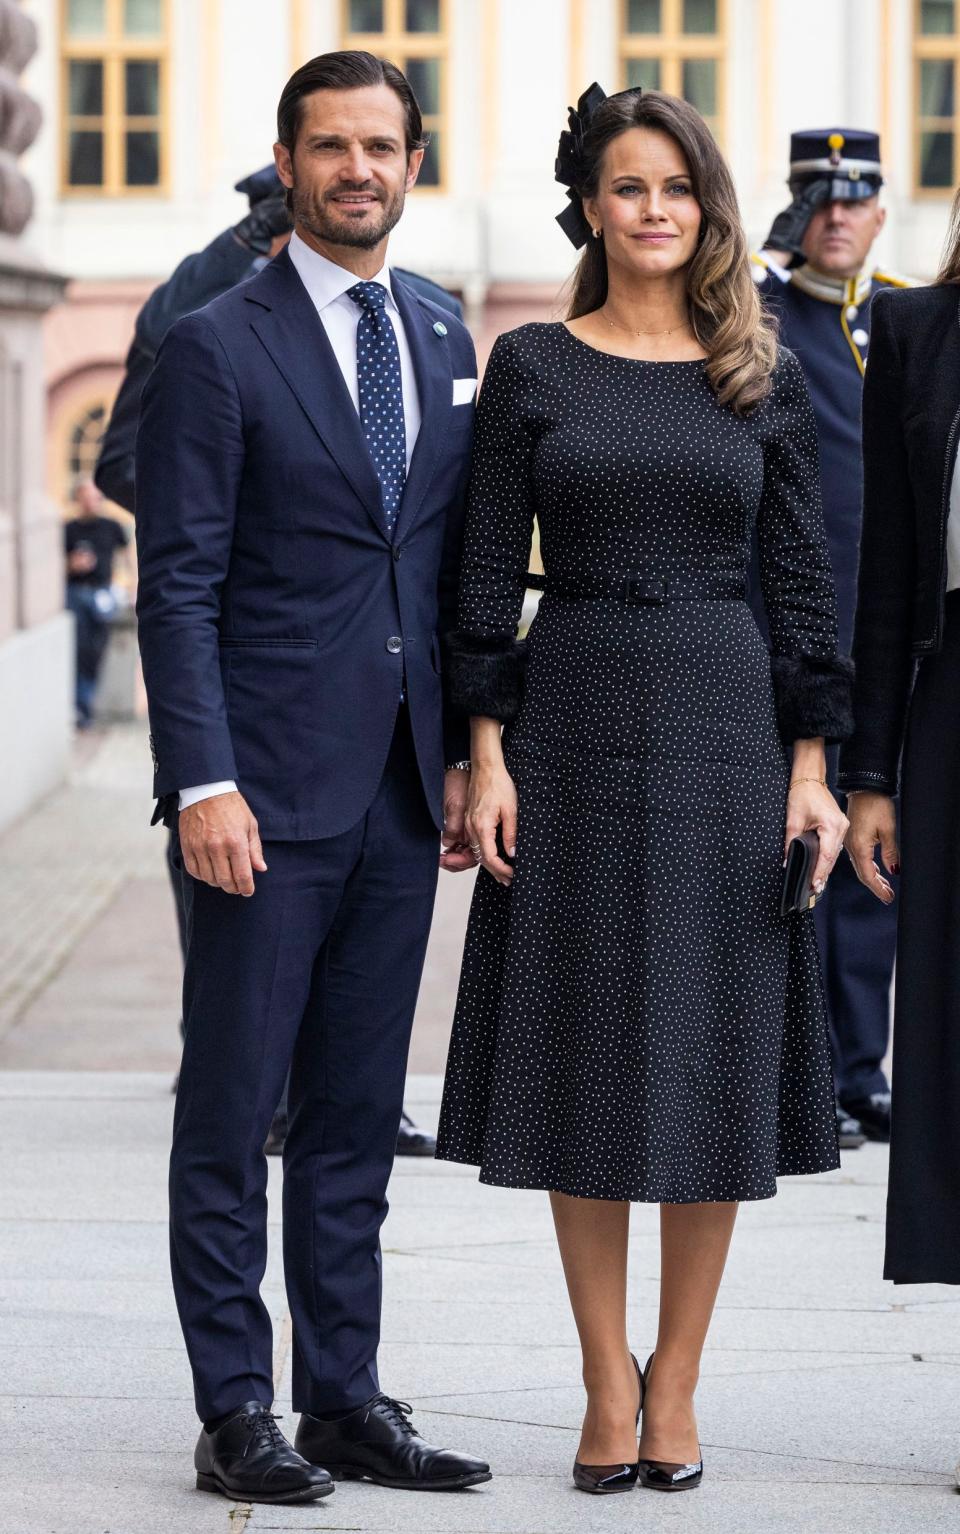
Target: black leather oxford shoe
249 1460
874 1114
850 1135
412 1141
378 1442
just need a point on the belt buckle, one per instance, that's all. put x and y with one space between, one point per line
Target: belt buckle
644 590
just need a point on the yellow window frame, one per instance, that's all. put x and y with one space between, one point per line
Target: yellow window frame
673 48
944 46
114 49
397 44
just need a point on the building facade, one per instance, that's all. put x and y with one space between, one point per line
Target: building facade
156 107
35 633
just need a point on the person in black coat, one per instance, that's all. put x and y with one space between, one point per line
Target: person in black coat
907 704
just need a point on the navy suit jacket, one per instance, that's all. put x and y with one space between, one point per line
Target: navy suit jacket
271 596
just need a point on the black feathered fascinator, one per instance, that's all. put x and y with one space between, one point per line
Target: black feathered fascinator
568 169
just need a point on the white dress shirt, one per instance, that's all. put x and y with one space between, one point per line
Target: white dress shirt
327 284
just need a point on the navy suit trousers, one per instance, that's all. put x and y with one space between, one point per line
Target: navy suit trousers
316 973
857 938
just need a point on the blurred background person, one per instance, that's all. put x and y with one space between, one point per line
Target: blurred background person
907 700
238 253
91 542
817 277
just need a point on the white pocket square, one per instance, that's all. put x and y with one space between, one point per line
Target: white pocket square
463 390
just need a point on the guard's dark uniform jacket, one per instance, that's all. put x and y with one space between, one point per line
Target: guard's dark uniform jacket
826 322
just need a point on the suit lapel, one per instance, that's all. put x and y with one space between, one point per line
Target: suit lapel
291 331
434 374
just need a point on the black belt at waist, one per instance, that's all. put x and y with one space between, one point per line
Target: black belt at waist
646 589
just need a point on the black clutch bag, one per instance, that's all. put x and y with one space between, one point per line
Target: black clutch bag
798 893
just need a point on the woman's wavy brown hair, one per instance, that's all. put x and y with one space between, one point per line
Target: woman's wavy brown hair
950 260
725 308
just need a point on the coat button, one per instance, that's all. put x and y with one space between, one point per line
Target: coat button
394 644
396 554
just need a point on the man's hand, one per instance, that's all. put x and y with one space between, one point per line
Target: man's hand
456 856
873 820
220 843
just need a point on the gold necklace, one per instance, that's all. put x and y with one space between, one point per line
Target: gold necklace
615 325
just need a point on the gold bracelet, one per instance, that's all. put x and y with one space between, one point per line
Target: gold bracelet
794 781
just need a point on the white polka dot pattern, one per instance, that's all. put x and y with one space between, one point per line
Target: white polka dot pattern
380 385
635 1020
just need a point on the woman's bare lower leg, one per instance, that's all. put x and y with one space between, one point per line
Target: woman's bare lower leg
592 1234
694 1241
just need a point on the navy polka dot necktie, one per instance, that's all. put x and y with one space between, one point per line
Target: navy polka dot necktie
381 394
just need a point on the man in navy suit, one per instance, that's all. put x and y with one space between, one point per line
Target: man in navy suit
301 467
233 256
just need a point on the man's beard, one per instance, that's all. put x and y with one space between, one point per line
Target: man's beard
323 220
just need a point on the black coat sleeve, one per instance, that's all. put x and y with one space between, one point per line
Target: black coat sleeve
887 578
812 683
485 659
198 279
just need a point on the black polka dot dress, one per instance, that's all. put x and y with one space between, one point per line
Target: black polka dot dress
635 1019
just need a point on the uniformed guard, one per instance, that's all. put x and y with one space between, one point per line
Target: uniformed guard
815 274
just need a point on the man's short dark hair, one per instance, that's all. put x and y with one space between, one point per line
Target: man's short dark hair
348 70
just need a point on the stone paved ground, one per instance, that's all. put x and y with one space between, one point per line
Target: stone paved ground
829 1402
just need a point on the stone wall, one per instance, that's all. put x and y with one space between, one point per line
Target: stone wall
20 116
35 633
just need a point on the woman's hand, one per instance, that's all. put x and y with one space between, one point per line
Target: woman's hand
873 820
492 803
812 807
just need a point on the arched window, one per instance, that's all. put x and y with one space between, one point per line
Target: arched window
83 442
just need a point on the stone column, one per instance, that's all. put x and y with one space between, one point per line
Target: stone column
36 647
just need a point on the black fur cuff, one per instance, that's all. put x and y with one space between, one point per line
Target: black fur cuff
485 676
814 696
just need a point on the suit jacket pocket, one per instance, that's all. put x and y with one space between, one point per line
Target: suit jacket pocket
275 712
230 642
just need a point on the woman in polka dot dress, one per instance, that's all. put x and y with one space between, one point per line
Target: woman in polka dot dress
635 1019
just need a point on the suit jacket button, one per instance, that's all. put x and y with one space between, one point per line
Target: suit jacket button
394 644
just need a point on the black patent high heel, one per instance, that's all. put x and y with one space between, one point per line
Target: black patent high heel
602 1480
662 1475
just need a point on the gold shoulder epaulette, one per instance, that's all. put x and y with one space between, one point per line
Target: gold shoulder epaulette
762 267
895 280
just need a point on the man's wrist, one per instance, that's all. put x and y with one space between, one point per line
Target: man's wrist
189 796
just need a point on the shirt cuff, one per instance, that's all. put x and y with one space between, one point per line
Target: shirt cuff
190 796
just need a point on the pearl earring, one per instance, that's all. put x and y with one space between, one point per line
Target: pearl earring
597 233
